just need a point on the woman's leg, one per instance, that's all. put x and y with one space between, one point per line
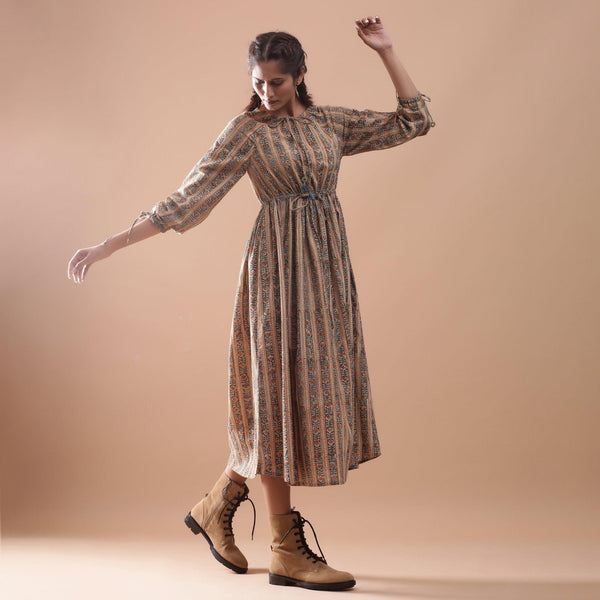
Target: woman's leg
233 475
277 495
277 491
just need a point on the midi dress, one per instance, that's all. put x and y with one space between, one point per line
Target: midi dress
299 394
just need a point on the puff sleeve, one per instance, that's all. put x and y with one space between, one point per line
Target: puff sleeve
207 183
366 130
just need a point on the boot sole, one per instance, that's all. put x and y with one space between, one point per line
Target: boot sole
196 529
331 587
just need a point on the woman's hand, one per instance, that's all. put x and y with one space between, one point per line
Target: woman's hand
373 34
83 259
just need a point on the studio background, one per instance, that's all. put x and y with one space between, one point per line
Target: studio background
475 250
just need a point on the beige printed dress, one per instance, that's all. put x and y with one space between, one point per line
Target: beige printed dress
299 393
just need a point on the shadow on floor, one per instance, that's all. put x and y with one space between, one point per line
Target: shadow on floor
257 571
460 589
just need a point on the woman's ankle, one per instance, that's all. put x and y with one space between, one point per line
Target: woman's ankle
235 476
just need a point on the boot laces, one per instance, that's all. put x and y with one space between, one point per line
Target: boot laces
299 522
228 511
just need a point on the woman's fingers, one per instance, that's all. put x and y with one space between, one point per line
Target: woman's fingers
81 269
75 273
79 273
83 259
366 21
77 266
72 263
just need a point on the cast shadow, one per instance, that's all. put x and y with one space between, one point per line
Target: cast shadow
486 589
257 571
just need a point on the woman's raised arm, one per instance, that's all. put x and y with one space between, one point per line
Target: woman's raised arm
84 258
373 34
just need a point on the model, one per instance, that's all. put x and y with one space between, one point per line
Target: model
300 410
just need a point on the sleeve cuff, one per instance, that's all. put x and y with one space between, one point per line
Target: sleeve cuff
152 217
413 100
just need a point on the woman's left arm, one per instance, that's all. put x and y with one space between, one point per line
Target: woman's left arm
372 32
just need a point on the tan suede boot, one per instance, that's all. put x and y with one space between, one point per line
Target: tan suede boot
212 517
294 563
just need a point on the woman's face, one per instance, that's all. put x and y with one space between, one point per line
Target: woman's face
277 90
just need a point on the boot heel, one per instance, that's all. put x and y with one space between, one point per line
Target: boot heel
192 524
279 580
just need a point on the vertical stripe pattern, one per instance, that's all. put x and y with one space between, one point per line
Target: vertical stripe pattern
299 393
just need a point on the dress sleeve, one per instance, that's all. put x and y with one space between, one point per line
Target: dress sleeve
207 183
365 130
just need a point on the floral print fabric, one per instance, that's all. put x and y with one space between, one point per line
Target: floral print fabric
299 393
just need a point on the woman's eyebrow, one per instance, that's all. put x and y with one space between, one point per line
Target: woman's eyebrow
274 79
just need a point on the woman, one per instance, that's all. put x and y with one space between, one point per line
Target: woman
300 409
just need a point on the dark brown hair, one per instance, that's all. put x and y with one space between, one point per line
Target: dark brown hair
284 48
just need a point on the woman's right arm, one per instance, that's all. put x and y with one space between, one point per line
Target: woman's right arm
202 189
84 258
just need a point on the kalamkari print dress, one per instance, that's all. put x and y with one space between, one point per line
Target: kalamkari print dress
299 394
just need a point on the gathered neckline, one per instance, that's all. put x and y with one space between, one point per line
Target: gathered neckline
267 116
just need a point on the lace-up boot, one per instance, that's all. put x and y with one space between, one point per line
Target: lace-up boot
294 563
212 517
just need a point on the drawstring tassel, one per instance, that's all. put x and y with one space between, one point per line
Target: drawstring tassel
142 214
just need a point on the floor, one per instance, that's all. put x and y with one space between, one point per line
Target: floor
35 568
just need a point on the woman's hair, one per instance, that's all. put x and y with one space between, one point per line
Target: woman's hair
284 48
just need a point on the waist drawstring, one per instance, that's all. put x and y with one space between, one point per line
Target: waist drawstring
304 196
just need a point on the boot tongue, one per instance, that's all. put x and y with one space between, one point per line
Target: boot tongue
235 487
236 499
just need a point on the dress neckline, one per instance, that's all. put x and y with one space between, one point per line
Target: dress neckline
264 115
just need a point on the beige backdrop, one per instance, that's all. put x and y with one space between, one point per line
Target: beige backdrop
475 250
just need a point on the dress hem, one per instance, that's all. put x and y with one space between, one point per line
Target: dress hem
316 484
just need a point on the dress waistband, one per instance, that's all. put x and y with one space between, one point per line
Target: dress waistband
301 199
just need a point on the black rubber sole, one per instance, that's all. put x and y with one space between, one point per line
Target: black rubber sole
330 587
196 529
